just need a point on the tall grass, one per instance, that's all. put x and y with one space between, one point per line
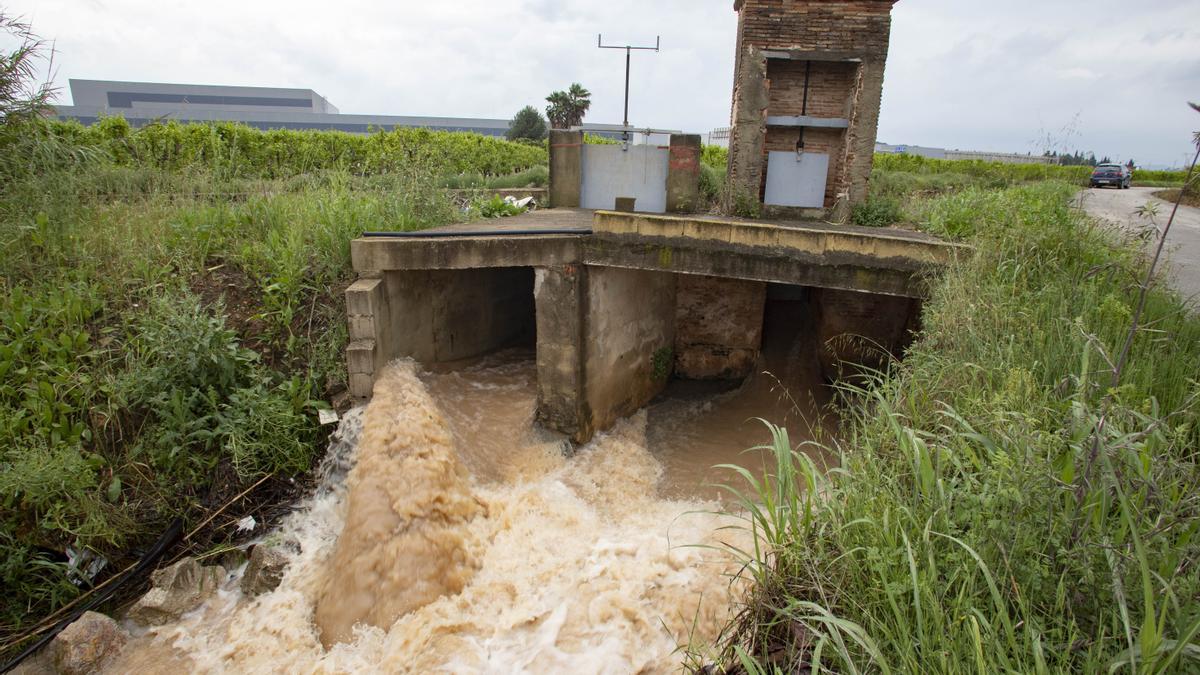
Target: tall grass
170 319
952 539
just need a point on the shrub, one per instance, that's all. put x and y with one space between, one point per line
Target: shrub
876 212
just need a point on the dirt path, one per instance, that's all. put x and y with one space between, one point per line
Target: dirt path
1183 244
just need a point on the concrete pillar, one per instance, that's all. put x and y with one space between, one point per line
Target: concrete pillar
560 296
748 135
628 338
718 327
566 168
864 125
683 174
365 307
604 348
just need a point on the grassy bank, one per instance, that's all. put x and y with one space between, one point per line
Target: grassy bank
171 318
974 524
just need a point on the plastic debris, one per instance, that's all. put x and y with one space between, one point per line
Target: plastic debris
327 417
247 524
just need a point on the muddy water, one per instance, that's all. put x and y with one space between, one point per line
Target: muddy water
464 540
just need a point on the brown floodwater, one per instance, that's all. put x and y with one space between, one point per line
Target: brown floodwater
464 539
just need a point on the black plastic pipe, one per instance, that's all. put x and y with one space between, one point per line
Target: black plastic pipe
445 234
160 547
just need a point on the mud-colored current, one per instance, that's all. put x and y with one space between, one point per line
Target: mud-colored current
465 540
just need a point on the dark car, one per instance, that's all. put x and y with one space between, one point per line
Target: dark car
1116 175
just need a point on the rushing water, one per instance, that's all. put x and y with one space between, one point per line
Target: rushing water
465 540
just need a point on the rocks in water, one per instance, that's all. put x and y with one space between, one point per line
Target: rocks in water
85 645
264 571
177 589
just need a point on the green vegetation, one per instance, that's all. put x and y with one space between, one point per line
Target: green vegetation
1001 505
527 125
999 173
567 108
171 318
230 150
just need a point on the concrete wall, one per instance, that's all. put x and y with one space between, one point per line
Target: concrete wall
718 327
861 331
435 316
560 294
566 179
629 319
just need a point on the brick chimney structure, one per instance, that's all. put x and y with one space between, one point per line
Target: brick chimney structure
807 86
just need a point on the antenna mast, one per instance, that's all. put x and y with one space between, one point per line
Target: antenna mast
628 51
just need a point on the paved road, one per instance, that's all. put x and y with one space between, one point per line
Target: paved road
1183 243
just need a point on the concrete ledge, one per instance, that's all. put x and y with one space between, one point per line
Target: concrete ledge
375 254
904 277
817 241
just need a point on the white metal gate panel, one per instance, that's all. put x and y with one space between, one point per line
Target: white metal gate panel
609 171
796 180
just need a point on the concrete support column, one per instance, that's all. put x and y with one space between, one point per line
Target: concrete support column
748 135
605 339
566 168
365 308
864 125
683 174
629 336
559 293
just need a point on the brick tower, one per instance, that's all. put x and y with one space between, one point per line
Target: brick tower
807 86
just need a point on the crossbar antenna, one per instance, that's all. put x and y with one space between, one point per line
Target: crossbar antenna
629 49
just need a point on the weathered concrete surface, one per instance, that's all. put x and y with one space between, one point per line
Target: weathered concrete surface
718 326
683 174
748 133
1183 241
559 292
601 333
629 329
434 316
879 245
890 262
566 168
496 246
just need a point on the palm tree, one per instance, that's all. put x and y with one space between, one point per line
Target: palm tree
567 108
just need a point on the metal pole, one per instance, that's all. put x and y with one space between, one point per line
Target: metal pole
628 51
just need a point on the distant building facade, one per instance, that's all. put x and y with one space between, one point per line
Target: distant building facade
142 103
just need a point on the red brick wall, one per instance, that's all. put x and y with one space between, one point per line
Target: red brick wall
816 25
837 29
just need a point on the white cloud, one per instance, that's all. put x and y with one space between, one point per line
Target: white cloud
961 74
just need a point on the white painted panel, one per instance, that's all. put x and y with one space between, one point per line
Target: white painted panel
796 180
610 172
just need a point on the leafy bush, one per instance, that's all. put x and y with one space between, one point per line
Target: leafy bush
234 150
714 156
876 212
712 183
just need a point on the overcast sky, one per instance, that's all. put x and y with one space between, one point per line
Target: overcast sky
1105 75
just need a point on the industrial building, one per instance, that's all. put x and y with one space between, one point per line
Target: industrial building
142 103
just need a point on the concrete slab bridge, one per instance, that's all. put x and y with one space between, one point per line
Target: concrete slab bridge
615 303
